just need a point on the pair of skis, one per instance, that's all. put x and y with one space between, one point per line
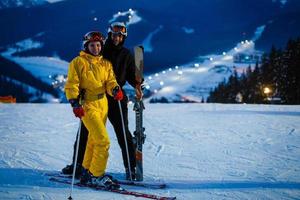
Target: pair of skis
139 136
59 178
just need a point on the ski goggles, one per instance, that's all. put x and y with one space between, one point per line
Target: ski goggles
93 36
119 29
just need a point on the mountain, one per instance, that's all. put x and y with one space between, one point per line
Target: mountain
202 27
44 38
4 4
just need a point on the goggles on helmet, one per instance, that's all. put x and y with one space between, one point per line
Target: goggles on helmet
93 36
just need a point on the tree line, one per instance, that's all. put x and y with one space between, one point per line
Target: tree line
275 80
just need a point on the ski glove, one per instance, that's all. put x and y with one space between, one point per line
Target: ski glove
117 93
77 108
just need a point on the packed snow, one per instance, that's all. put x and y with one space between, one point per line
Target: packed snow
208 151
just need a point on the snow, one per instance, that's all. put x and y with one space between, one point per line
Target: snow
208 151
147 41
197 79
39 66
194 80
188 30
133 17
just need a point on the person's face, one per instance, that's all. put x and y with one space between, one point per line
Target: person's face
117 39
94 48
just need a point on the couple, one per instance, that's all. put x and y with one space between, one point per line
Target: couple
98 74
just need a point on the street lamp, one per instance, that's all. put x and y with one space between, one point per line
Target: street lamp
267 91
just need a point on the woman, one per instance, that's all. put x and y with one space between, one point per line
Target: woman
91 73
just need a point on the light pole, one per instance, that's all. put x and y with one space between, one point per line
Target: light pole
267 92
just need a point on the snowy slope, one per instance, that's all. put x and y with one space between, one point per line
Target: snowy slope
208 151
193 81
40 67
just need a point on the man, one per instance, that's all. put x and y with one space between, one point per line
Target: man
124 69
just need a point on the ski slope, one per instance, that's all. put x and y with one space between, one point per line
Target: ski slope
202 151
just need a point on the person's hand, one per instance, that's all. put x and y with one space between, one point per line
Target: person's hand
138 92
117 93
78 112
77 108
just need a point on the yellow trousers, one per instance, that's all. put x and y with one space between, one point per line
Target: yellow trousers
97 148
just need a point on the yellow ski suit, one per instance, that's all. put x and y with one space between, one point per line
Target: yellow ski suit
95 75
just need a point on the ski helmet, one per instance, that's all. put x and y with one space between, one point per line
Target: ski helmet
118 27
92 36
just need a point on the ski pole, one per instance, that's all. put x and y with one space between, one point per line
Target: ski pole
125 139
75 162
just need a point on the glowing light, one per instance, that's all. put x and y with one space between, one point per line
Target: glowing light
211 59
267 90
129 16
119 13
95 19
196 65
224 53
176 67
242 42
170 69
155 91
235 48
147 87
161 83
50 76
180 72
150 77
163 72
156 74
130 10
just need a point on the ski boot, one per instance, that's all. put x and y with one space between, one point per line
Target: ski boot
68 170
128 174
105 181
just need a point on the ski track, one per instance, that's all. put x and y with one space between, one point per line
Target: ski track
212 151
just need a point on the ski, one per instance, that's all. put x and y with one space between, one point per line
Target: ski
139 136
150 185
119 191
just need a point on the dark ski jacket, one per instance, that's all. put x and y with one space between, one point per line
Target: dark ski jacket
122 61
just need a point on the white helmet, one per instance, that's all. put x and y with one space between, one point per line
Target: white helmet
118 27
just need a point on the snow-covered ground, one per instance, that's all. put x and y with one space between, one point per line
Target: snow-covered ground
40 66
208 151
